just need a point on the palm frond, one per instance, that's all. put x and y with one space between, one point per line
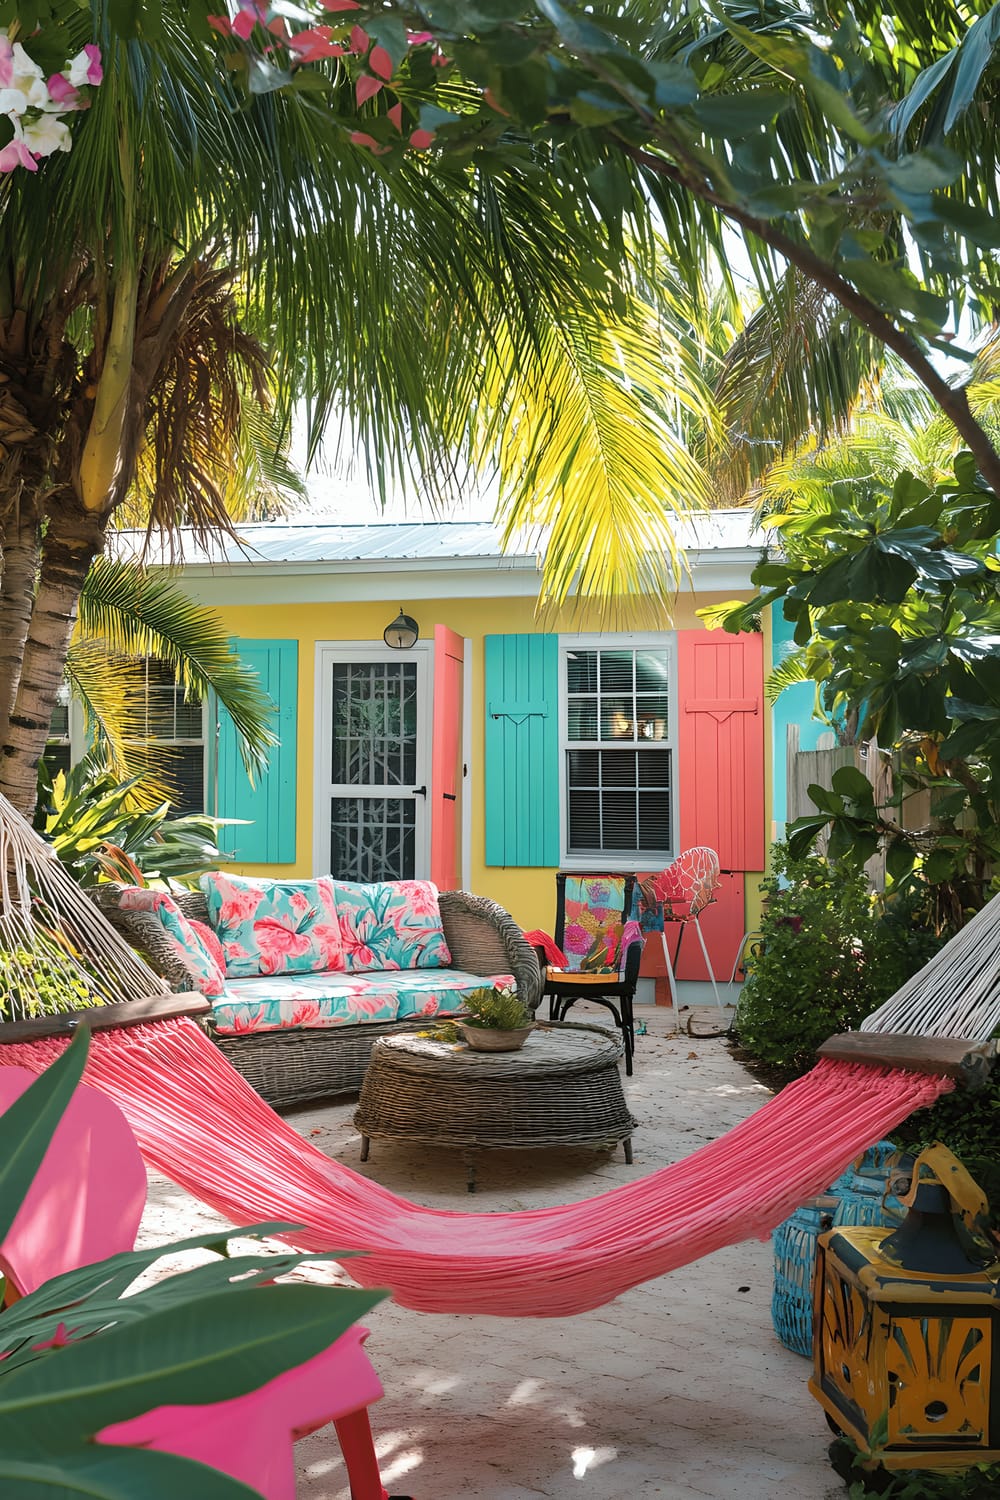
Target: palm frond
141 614
789 671
592 458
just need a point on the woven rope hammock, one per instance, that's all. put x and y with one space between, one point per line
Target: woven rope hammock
198 1122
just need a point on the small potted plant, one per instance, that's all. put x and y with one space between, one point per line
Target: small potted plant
496 1020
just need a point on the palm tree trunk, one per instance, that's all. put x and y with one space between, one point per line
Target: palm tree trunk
21 544
67 553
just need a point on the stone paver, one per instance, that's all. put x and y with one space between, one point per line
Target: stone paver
679 1389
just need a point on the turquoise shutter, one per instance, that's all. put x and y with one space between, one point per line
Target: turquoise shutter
269 805
522 749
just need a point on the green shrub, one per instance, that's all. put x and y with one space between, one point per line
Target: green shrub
829 956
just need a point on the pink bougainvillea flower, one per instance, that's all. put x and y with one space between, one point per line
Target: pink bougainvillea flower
244 24
337 5
421 139
85 67
6 62
396 116
222 24
367 87
314 43
438 60
418 38
278 27
16 154
62 92
358 138
359 39
380 62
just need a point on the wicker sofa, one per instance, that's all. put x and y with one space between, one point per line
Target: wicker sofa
294 1066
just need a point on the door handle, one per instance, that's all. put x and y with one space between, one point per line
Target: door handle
419 791
449 796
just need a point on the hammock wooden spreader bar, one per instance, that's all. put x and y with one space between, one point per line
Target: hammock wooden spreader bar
198 1122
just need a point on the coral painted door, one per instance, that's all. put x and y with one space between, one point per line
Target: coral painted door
446 759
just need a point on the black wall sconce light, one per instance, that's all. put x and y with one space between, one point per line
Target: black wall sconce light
402 633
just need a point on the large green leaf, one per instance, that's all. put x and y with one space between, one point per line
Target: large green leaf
212 1345
27 1127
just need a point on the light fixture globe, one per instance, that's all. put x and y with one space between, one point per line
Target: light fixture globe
402 633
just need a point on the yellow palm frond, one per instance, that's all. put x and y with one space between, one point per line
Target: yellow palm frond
593 459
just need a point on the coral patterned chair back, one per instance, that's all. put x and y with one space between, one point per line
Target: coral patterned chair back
591 918
688 884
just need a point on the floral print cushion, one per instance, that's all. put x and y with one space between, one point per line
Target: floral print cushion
284 1001
434 992
394 925
196 957
287 1002
274 926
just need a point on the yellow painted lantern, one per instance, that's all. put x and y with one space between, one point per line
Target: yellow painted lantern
906 1344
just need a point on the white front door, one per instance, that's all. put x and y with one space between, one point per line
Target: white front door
372 762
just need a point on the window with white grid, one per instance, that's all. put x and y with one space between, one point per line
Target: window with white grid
618 750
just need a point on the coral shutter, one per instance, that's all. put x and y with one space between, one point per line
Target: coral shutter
721 777
446 758
721 745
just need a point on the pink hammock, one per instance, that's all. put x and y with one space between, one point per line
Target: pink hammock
199 1123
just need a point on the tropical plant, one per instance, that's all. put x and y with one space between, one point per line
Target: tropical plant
892 587
827 959
828 148
201 248
98 831
496 1008
127 615
865 1481
90 1348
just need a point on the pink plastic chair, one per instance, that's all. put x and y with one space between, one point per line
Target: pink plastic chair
684 889
84 1205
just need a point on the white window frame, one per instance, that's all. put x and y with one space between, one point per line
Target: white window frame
79 742
327 653
621 859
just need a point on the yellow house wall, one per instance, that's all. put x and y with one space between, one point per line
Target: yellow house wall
527 893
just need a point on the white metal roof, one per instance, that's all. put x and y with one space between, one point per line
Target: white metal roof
295 542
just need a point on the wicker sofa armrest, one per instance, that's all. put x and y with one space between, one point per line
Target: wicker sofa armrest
143 931
485 939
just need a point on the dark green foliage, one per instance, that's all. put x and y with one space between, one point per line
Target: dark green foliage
827 960
980 1482
969 1123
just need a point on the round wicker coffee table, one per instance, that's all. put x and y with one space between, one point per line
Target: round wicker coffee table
562 1088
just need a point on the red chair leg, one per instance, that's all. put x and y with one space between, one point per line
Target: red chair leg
355 1435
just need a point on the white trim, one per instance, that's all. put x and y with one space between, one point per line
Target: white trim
609 641
356 580
328 652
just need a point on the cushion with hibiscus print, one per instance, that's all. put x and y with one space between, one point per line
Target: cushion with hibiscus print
205 967
393 925
274 926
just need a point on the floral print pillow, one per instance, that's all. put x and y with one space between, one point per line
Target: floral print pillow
205 968
274 926
394 925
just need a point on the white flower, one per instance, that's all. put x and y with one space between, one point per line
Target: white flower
22 63
46 135
84 68
24 94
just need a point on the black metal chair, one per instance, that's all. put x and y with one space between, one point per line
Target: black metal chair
603 946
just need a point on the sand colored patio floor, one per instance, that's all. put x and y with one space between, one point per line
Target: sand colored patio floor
679 1389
